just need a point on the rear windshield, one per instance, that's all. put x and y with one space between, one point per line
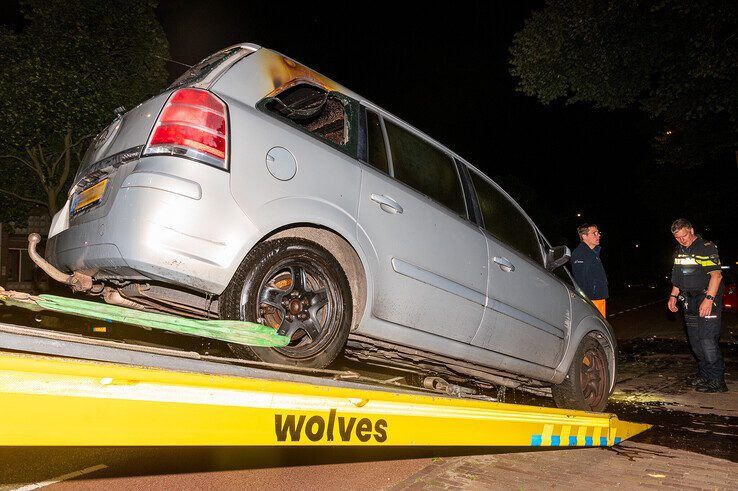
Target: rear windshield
201 70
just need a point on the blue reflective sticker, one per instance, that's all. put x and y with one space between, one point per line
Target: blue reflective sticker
603 441
555 441
617 440
572 441
536 440
588 441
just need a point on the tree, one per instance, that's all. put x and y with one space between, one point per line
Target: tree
677 60
64 71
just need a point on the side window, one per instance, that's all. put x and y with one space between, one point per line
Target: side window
503 220
376 150
424 167
321 113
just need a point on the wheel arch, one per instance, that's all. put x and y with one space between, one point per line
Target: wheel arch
598 329
342 249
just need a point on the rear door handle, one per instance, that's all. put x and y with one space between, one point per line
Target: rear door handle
504 264
386 203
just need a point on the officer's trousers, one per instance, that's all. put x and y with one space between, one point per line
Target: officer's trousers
704 336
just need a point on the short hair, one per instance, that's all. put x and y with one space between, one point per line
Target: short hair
679 224
583 229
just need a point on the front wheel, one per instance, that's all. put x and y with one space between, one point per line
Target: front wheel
298 288
587 384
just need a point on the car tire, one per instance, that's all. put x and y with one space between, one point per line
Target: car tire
297 287
587 383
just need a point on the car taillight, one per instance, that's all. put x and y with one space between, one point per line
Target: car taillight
193 124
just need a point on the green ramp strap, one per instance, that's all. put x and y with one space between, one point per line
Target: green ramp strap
240 332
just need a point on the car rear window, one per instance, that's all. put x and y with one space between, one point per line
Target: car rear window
202 69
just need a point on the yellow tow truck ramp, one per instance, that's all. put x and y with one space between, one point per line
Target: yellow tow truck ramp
61 389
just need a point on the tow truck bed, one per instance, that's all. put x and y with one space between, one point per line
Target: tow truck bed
66 389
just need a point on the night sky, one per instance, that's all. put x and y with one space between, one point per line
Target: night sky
446 72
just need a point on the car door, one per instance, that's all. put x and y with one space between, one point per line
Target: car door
431 273
528 312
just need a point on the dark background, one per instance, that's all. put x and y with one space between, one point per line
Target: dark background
446 72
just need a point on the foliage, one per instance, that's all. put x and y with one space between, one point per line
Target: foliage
675 59
64 72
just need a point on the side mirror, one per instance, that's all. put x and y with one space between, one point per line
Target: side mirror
556 257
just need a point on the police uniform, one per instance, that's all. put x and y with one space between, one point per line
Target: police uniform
691 274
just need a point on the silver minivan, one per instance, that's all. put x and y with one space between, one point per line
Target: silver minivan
255 188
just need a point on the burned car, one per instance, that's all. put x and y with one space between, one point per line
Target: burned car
255 188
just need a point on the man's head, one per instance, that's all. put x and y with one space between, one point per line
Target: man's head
589 234
683 232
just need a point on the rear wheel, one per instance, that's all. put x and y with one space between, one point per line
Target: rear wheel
298 288
587 384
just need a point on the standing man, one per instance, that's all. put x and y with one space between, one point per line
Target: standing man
697 281
587 267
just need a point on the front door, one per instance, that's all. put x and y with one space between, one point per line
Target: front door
530 308
528 312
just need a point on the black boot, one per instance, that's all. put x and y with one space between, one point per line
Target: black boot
715 385
698 381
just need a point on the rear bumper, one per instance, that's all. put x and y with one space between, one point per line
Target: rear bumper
171 220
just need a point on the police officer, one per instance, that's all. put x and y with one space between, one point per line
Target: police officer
697 281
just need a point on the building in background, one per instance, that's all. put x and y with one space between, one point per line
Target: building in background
17 271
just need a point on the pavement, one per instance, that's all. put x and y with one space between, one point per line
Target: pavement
627 466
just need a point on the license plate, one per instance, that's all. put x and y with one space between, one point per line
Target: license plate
88 197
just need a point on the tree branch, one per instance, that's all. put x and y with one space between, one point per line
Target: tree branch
22 161
83 138
52 171
56 162
37 167
78 154
67 163
23 198
73 145
41 156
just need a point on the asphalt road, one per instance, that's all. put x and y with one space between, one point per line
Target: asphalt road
635 315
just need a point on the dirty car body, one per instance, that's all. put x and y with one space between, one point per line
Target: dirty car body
256 188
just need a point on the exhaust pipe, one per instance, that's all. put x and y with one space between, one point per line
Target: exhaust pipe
113 297
78 281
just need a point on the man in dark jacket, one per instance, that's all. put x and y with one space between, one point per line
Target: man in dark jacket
587 267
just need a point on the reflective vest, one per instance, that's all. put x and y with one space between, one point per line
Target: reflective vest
693 265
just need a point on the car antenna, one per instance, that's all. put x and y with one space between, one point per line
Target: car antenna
173 61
